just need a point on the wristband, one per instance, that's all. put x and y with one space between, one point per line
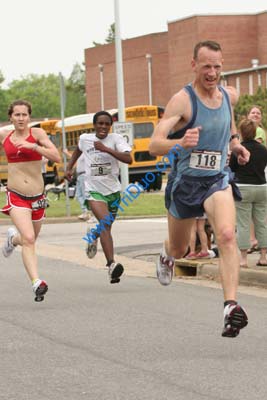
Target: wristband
234 136
35 146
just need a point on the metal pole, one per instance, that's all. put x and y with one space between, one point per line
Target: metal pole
101 71
120 88
149 67
62 109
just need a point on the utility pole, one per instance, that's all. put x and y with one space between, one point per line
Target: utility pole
124 173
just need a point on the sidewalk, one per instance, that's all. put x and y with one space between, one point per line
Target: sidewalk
141 262
206 270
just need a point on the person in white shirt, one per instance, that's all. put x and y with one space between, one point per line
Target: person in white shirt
102 152
80 188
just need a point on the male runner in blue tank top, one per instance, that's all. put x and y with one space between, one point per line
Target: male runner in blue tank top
199 121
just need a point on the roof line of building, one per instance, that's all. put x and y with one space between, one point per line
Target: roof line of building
214 15
240 71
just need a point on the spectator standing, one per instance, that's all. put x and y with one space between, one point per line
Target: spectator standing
251 181
255 114
198 229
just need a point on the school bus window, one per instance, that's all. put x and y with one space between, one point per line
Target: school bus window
160 112
56 139
72 138
76 137
78 134
143 130
68 140
140 156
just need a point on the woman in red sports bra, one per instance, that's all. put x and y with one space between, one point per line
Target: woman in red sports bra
24 148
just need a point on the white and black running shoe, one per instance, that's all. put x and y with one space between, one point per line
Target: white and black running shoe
40 288
115 271
165 267
235 318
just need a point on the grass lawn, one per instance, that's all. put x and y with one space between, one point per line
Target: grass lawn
146 204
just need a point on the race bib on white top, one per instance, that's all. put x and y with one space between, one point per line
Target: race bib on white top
100 169
204 159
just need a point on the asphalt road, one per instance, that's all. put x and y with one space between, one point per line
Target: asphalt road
135 340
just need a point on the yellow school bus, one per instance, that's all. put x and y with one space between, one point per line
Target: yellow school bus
51 174
144 119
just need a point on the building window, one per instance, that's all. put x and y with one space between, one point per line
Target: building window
237 85
250 84
259 79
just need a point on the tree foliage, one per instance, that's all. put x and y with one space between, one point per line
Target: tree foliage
246 101
110 38
75 92
3 100
43 92
111 34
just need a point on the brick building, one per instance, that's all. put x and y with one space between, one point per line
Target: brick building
242 37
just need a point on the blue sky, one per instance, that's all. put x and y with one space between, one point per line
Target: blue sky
50 36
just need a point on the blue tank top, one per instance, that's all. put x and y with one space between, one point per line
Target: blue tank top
208 158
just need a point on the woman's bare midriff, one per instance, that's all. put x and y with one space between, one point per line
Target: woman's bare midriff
25 178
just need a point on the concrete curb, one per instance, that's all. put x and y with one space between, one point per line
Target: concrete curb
248 276
73 219
206 269
209 269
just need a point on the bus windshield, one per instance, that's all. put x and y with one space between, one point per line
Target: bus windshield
143 130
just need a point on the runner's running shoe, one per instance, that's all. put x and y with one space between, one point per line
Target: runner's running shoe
91 249
39 288
165 267
115 271
8 246
235 318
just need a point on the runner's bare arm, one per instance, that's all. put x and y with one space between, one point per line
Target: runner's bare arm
123 156
177 109
75 155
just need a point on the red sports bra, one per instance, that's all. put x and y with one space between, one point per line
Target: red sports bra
15 155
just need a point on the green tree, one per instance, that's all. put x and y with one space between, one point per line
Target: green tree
111 36
42 92
75 92
3 101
